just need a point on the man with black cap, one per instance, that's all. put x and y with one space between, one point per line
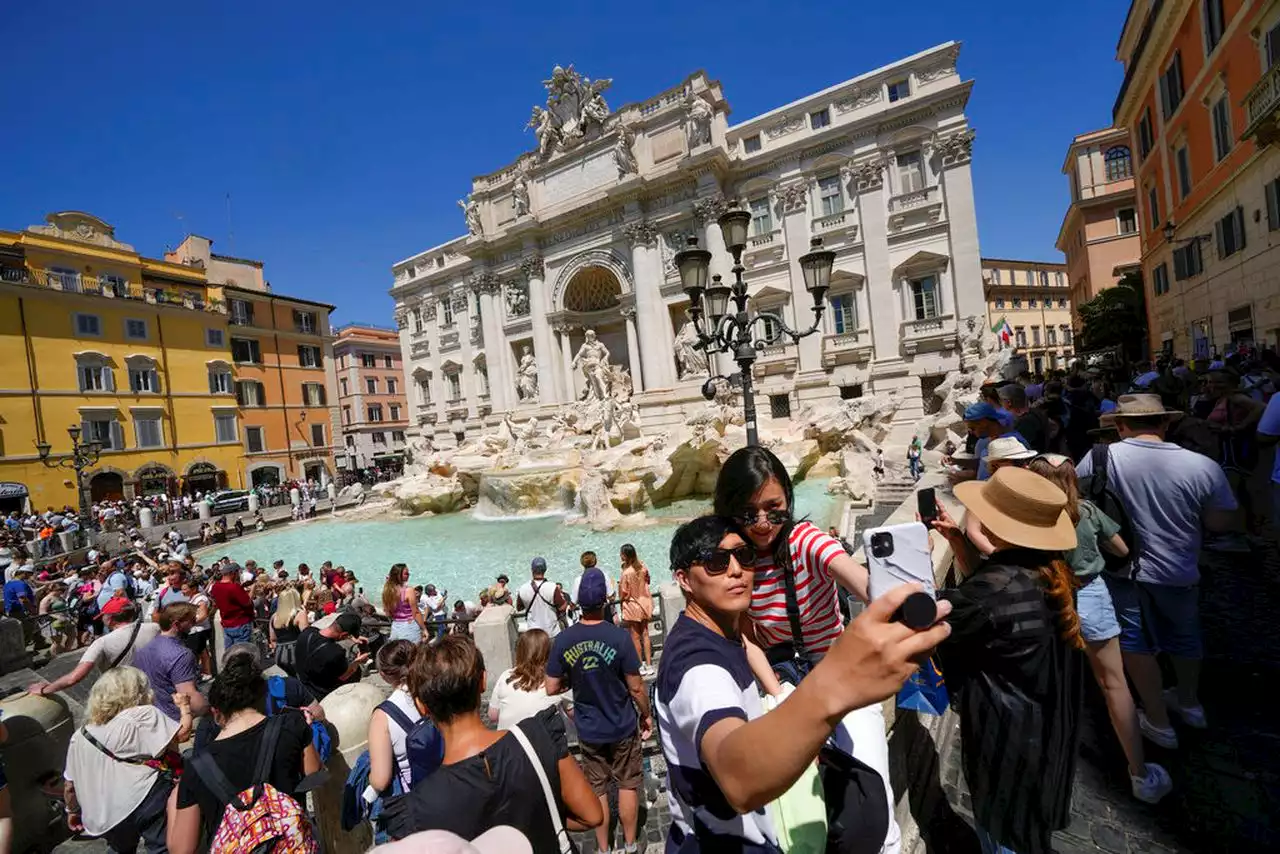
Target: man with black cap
542 600
598 661
233 604
323 666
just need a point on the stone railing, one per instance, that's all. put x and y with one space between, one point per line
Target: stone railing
1261 106
760 241
844 347
827 223
420 349
449 341
80 283
918 198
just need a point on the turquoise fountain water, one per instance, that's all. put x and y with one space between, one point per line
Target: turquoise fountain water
463 554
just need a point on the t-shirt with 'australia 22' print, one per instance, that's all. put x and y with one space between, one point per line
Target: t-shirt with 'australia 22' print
595 660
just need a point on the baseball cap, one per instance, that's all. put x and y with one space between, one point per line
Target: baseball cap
593 590
349 623
981 411
502 839
539 564
115 605
229 568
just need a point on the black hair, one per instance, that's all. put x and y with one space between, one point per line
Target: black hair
743 475
628 553
694 539
394 659
238 685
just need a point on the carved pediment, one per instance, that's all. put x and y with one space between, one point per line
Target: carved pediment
80 227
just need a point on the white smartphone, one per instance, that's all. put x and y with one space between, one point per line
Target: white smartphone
898 554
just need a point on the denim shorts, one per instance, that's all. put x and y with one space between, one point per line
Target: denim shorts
1098 621
1157 617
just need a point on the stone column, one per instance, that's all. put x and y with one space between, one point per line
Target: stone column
487 286
868 180
566 364
794 201
952 154
652 321
544 344
633 347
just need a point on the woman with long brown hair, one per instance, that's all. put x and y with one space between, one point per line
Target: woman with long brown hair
1013 659
637 604
520 692
1097 532
400 603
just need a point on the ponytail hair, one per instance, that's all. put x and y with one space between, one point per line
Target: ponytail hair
1059 590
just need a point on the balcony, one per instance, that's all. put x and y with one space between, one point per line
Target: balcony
915 209
845 348
931 333
108 288
764 248
449 341
835 226
1262 109
420 349
776 359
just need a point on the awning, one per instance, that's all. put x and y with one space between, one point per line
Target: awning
12 489
389 455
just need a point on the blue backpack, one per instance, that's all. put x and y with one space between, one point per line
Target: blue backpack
424 745
320 738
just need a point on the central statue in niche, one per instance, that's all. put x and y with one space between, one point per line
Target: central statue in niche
593 359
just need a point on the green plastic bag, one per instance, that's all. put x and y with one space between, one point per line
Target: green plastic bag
800 813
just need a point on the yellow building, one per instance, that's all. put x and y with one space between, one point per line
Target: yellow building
132 350
1034 297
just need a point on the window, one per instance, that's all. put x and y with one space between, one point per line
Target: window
394 411
1146 138
219 381
455 387
108 431
245 351
995 277
1031 303
842 313
350 441
1051 336
147 431
304 321
482 371
1035 336
374 411
391 385
113 284
215 338
1273 46
250 393
910 172
1187 260
143 378
446 309
924 297
1062 303
241 312
371 385
378 438
751 144
67 280
761 216
424 389
254 441
851 392
1182 158
417 320
317 436
1229 232
819 119
1000 302
1059 279
346 415
313 394
1220 116
309 356
1213 24
899 89
134 329
344 387
387 363
1019 336
368 360
397 436
89 324
780 405
769 329
1119 163
830 196
1153 208
1160 279
1044 279
224 428
1273 204
1171 89
1017 302
1128 219
1066 335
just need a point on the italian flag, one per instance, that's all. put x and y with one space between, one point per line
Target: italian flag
1003 331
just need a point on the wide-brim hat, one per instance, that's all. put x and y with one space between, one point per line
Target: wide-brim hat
1008 449
1142 406
1022 508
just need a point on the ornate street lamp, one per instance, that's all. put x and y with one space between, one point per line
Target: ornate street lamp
719 330
82 456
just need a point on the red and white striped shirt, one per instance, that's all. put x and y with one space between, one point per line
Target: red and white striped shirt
811 554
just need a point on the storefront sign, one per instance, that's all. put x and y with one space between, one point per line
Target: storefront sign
12 489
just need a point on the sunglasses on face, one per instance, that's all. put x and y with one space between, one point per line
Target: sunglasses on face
773 517
716 561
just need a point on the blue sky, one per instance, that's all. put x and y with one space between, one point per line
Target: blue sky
345 132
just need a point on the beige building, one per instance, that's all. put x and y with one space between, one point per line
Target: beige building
1033 298
371 398
1099 233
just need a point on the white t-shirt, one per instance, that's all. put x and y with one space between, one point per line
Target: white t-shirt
541 606
108 790
198 600
1165 490
433 606
514 705
104 650
1270 426
399 749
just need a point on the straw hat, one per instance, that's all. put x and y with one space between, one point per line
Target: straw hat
1008 448
1021 508
1142 406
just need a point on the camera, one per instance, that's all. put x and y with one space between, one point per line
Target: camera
710 387
881 544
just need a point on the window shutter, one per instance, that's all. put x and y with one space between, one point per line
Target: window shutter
86 431
1220 238
1179 264
108 379
1237 220
155 381
213 383
1273 205
117 436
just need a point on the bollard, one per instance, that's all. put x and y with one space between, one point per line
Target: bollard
347 711
147 517
254 502
39 731
67 540
670 604
295 497
205 510
219 640
496 636
13 646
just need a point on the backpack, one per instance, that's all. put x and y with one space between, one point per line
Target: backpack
424 746
1098 489
261 819
320 739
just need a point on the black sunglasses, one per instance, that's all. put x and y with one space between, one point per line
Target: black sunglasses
773 517
716 561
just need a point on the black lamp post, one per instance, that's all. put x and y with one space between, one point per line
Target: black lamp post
82 456
720 331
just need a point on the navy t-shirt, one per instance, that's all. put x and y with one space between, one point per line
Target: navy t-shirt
595 660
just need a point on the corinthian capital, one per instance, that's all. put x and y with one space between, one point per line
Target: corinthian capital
641 233
533 267
709 209
793 197
484 283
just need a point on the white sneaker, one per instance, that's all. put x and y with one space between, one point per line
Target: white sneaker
1163 736
1192 716
1153 787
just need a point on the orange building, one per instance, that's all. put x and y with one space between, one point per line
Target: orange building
1099 233
371 398
1200 99
283 367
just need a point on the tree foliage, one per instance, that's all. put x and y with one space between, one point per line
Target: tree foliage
1117 317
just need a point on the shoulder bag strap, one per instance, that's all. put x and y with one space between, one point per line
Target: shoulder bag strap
137 627
1099 456
566 847
793 607
397 714
207 770
137 760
